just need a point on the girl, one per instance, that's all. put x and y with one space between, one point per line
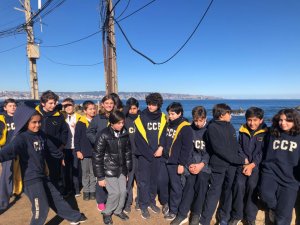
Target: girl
97 124
112 161
29 146
280 169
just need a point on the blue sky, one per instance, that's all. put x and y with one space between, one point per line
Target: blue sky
242 49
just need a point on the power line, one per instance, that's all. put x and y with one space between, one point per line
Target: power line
124 10
184 44
72 42
72 65
10 49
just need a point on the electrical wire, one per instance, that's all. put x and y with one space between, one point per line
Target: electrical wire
124 10
72 42
172 56
72 65
10 49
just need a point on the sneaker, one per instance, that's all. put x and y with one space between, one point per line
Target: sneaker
127 209
101 207
107 219
271 215
86 196
248 222
154 208
77 195
82 219
145 214
179 220
194 219
165 209
92 195
234 222
137 207
170 216
122 216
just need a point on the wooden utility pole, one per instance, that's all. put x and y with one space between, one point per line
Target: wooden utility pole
32 51
109 51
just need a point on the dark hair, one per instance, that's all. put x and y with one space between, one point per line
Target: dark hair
9 100
117 101
175 107
220 110
48 95
199 112
86 104
154 99
115 117
254 112
292 115
69 100
132 101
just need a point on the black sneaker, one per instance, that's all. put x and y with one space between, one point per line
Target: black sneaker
154 208
145 214
127 209
179 220
170 216
82 219
86 196
165 209
122 216
92 195
194 219
234 222
107 219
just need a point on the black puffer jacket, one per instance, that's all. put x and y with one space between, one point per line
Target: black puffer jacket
112 156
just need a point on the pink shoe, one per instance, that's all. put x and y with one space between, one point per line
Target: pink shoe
101 207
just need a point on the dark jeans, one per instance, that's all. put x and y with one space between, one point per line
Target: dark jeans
279 198
194 193
6 182
131 176
220 190
176 188
72 171
245 196
147 181
163 184
43 194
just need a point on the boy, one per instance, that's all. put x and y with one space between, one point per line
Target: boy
112 161
30 148
56 130
251 139
7 128
84 151
197 181
149 139
179 146
133 111
223 145
72 168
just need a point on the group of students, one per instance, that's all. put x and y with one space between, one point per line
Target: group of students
188 167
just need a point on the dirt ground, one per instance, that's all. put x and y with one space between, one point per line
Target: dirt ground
19 213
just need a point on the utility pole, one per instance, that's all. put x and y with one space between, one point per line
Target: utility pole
32 51
109 50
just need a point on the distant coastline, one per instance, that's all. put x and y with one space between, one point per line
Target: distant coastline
97 95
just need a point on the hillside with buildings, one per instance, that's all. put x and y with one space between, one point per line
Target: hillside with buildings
96 95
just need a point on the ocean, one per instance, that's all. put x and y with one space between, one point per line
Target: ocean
271 107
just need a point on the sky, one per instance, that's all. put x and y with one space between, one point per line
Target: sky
243 49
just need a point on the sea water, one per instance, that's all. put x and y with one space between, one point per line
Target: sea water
270 107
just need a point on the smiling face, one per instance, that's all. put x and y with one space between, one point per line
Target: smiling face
108 105
284 124
253 123
34 124
90 111
50 105
69 107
